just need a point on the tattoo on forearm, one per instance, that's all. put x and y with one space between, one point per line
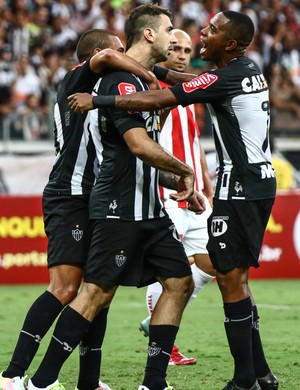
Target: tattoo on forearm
177 78
168 180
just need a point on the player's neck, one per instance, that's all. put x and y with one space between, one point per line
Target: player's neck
142 55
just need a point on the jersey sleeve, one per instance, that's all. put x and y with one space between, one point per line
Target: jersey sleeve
122 83
80 79
207 87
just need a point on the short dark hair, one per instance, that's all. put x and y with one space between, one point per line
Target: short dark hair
241 28
91 40
144 16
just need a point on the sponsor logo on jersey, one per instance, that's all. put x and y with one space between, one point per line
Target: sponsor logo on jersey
254 83
77 233
113 205
126 88
152 121
238 187
218 225
201 82
267 171
222 245
120 258
153 350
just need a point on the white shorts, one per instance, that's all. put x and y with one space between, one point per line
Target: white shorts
192 228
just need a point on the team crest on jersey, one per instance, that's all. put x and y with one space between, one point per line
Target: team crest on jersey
201 82
218 225
153 350
120 258
77 233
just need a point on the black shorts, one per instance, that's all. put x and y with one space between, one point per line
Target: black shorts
236 231
134 253
68 228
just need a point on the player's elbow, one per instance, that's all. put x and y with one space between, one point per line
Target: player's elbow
107 55
137 150
102 60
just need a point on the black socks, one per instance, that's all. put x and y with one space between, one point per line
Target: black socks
238 326
70 329
260 364
161 341
90 353
37 322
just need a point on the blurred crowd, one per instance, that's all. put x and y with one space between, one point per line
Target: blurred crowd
38 40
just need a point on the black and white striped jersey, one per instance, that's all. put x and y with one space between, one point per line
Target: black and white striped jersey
73 172
126 188
238 101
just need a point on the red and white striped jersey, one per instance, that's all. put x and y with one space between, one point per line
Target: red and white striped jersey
180 136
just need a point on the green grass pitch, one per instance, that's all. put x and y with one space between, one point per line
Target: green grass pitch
201 336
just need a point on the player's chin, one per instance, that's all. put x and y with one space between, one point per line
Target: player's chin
180 68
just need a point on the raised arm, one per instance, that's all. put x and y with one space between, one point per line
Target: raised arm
113 59
172 77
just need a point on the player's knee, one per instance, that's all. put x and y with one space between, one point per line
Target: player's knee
65 293
185 287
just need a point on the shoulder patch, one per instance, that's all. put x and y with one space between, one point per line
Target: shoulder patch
126 88
201 82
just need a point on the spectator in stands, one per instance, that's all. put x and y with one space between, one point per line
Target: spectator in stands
30 123
19 35
286 53
26 81
285 101
39 26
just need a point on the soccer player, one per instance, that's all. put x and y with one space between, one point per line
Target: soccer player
180 136
237 97
133 240
65 207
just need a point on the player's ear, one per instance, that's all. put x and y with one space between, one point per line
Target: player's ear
149 34
231 45
97 50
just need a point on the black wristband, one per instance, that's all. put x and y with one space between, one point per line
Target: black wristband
160 73
103 101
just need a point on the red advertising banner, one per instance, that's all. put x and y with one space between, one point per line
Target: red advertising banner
23 244
280 253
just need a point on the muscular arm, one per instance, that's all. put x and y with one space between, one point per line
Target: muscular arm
196 201
168 180
143 147
172 77
140 101
113 59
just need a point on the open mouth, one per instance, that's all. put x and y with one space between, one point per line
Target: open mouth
203 48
